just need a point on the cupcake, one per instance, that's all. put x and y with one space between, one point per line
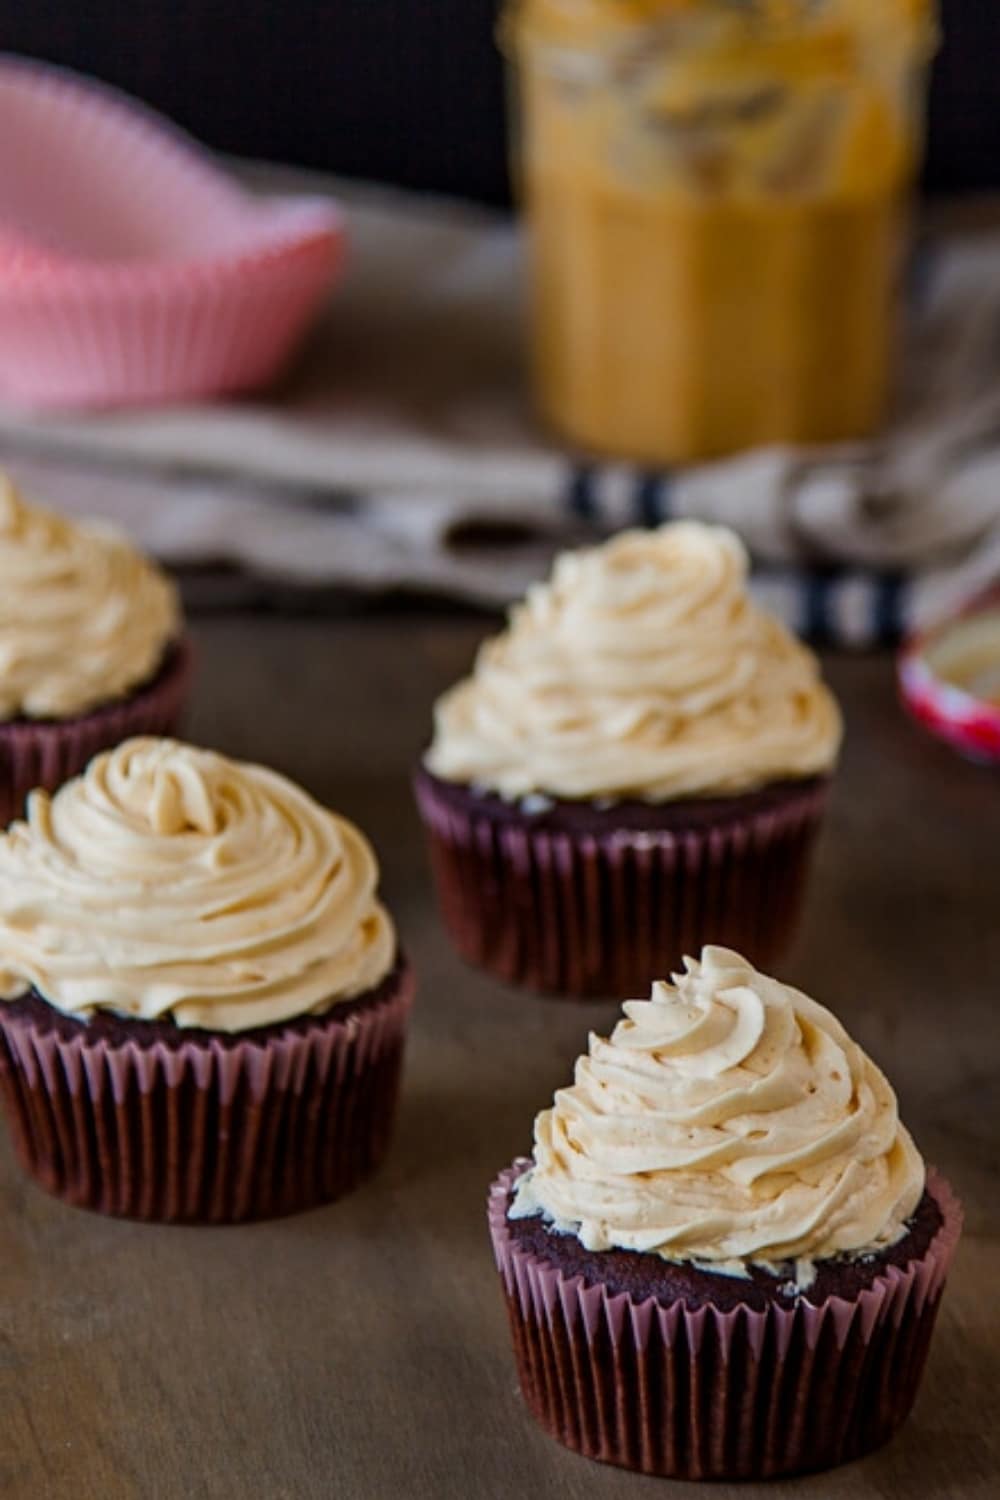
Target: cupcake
92 648
203 1000
726 1257
639 761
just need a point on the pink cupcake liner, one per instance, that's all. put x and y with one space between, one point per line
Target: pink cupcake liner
131 268
570 913
210 1128
47 752
705 1394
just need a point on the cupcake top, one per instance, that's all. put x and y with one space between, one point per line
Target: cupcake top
84 618
171 882
729 1118
640 669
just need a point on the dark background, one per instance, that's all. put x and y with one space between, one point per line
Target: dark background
406 91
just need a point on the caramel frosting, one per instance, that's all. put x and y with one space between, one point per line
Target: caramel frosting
84 618
729 1118
168 881
641 668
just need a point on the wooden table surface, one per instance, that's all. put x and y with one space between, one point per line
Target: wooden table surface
361 1350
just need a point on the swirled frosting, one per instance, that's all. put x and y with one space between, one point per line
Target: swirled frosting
640 669
171 882
84 618
729 1118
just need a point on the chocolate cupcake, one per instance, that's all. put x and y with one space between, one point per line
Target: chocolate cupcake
640 761
726 1258
92 648
204 1004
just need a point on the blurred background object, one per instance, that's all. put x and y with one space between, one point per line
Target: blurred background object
400 452
716 195
132 269
405 93
950 680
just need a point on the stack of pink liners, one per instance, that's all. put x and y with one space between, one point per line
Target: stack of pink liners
131 268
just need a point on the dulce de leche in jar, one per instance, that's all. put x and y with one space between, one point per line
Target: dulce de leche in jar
715 194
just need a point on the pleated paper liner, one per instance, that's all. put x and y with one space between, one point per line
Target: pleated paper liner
47 752
706 1394
204 1127
606 910
131 268
72 342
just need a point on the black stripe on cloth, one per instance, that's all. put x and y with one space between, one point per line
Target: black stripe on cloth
888 607
816 586
651 497
580 498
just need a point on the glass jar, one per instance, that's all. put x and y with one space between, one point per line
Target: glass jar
715 192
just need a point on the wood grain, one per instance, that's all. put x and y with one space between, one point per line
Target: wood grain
361 1351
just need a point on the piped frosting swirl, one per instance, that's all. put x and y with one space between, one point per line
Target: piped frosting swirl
728 1119
84 618
169 881
640 669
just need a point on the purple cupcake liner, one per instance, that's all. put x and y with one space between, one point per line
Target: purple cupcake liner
209 1128
580 912
47 752
706 1394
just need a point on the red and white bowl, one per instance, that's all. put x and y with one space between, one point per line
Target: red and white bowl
949 679
131 268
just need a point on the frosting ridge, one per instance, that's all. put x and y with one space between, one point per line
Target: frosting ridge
729 1118
84 617
169 881
641 668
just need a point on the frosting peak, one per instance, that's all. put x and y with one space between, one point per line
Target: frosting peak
728 1119
170 881
641 668
84 618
